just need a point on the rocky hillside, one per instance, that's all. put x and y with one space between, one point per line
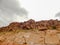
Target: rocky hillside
31 24
45 32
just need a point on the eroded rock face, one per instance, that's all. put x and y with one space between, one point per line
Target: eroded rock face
51 37
31 33
48 37
31 24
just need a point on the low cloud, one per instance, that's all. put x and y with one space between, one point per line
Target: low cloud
10 10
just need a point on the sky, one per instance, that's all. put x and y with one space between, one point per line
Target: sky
23 10
41 9
11 11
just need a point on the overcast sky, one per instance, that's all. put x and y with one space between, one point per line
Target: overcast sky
41 9
22 10
11 11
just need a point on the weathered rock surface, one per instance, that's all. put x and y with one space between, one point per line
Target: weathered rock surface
31 33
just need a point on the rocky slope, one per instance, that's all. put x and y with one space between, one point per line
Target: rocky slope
45 32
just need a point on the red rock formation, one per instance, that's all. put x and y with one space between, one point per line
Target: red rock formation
31 24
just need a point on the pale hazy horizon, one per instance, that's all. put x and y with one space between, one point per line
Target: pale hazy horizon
41 9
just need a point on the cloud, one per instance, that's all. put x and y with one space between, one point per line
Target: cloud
10 10
57 15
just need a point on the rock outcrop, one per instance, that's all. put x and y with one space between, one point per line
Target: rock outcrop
30 32
31 24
